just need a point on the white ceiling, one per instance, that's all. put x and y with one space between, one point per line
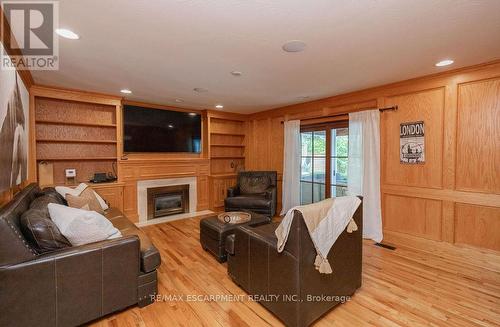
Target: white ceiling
162 49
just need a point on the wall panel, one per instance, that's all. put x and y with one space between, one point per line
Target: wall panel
414 216
477 226
427 106
261 134
478 136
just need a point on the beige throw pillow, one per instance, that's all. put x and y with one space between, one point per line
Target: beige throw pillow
63 190
86 200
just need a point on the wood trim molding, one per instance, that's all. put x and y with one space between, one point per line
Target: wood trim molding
159 157
450 135
75 95
398 238
484 199
226 115
32 166
159 106
138 159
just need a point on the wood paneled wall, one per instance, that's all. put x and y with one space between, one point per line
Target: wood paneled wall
455 195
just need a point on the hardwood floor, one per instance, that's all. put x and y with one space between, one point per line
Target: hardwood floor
421 283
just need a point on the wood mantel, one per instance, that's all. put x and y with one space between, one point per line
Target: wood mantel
133 170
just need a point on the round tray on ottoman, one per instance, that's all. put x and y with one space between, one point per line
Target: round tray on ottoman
234 217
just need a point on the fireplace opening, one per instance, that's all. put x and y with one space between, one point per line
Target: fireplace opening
167 200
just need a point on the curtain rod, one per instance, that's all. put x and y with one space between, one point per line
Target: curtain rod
393 108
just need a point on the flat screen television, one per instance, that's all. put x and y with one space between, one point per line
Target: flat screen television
158 130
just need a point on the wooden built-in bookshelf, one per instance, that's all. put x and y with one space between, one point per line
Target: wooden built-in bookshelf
73 123
227 149
227 146
41 140
80 134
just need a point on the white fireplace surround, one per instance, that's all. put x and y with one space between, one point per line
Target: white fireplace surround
142 198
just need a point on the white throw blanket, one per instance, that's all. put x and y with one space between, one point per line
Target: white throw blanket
325 221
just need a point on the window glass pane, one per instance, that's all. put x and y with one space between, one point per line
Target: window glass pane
338 191
314 173
319 170
340 146
305 193
306 142
318 192
319 146
339 171
306 169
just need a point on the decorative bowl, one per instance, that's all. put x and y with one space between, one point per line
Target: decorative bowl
234 217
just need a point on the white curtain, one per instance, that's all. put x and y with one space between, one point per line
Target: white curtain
291 166
364 168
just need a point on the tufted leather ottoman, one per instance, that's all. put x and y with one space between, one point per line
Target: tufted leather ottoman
213 233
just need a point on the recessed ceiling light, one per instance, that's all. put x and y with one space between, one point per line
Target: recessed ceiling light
126 91
219 106
444 63
179 100
67 34
200 89
170 126
192 114
294 46
236 73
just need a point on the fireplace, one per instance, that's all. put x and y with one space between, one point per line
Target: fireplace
167 200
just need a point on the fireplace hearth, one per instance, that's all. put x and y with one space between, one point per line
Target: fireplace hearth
167 200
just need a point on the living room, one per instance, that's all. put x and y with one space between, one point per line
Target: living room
249 163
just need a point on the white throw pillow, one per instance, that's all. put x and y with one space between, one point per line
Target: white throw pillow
81 226
63 190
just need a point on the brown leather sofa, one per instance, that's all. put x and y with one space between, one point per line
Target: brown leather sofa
287 283
74 285
255 191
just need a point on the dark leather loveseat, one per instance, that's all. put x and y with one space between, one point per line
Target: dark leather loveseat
288 282
74 285
255 191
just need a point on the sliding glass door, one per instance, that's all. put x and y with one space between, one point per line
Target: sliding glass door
323 162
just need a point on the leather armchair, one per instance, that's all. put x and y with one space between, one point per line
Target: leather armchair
303 294
255 191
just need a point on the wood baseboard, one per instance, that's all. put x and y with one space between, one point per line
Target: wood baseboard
469 255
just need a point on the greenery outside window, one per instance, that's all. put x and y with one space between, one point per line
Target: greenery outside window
323 161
